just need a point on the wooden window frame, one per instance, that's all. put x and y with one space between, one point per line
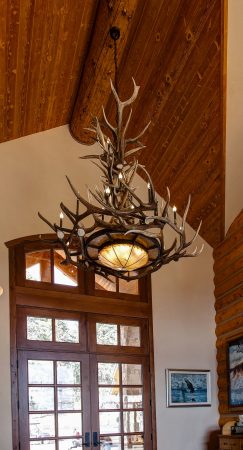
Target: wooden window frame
46 296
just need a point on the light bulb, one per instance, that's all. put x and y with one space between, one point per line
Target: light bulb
120 176
174 209
61 215
107 190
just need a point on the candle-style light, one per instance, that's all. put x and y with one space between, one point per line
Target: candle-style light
174 209
61 218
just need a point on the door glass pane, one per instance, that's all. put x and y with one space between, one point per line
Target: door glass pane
39 328
109 398
69 424
41 399
110 442
41 425
38 266
69 398
134 441
108 373
42 445
131 374
67 330
65 274
40 372
68 372
132 398
109 422
106 334
130 336
133 421
68 444
128 287
104 284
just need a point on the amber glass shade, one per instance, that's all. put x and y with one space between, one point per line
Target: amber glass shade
123 256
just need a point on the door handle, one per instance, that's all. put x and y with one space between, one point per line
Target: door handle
96 441
86 439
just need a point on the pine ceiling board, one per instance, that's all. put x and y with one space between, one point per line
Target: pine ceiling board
174 53
43 48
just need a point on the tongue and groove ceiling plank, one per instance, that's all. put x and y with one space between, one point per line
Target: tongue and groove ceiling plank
56 61
43 46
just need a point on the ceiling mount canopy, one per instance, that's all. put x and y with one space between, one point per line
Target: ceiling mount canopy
127 235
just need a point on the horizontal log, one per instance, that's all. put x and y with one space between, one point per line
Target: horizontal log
230 325
233 334
225 299
229 284
229 270
234 240
233 309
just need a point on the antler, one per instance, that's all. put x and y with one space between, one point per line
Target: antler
117 207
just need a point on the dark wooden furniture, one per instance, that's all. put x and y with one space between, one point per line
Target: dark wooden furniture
234 442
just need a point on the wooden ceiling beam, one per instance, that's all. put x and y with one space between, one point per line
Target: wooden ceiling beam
99 69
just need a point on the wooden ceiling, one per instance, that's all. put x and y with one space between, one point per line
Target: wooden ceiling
56 59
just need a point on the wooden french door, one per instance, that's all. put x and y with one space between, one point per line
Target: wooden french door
96 396
54 400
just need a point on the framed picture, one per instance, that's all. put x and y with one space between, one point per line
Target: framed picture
188 387
235 372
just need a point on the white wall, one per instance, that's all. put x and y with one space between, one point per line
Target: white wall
184 338
234 113
32 179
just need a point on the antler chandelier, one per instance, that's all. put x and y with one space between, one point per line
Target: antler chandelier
126 236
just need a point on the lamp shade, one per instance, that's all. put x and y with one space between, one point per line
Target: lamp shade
123 256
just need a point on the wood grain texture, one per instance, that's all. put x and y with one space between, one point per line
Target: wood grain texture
43 45
175 52
56 60
228 269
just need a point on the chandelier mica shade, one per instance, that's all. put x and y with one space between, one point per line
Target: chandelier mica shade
126 234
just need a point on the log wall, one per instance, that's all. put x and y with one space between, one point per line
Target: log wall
228 270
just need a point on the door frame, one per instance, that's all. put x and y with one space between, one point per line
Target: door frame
67 300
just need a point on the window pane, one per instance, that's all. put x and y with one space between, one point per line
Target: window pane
131 374
67 330
39 328
133 421
109 398
69 398
110 442
134 441
132 398
65 274
109 422
40 372
69 424
130 336
68 372
104 284
108 373
106 334
43 445
38 266
41 399
41 425
128 287
68 444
